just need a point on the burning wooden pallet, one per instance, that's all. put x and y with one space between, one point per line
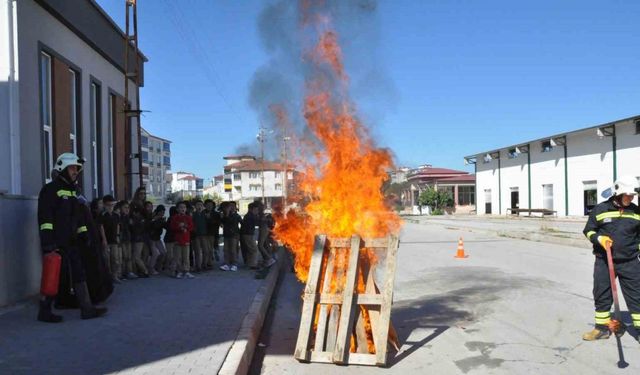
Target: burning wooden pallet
348 323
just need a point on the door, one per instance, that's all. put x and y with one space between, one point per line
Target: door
515 198
547 197
487 201
590 196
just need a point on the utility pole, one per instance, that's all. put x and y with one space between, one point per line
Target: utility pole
285 178
261 139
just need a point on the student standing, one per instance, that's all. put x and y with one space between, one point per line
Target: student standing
181 226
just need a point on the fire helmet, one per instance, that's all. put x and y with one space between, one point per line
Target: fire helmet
67 159
626 185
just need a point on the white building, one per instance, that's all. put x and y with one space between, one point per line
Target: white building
565 173
186 184
62 82
246 178
156 165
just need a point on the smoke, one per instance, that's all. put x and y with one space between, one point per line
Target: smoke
279 85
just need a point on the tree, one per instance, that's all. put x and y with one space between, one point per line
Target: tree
435 199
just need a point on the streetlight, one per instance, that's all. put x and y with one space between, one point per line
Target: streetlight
285 139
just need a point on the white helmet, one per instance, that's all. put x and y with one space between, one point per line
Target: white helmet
67 159
626 185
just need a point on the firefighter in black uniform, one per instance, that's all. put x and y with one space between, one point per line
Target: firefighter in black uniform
62 229
615 223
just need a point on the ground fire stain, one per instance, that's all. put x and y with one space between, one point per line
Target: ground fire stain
484 359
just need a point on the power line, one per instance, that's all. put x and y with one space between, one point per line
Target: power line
193 45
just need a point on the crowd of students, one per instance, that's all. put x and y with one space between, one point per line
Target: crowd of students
140 240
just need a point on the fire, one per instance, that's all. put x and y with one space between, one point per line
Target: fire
343 172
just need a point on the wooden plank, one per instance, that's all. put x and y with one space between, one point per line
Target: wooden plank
321 330
361 359
332 329
370 243
387 293
308 307
346 313
352 358
360 299
360 332
374 311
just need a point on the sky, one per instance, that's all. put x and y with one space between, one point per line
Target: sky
453 77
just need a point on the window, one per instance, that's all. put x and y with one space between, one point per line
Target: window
278 174
73 135
512 153
637 126
112 126
145 156
254 187
547 197
237 176
46 115
166 146
253 175
145 141
546 146
278 187
166 160
466 195
95 137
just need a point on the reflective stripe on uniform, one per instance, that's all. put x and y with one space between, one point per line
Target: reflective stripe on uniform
46 226
82 229
617 215
66 193
603 317
590 233
635 317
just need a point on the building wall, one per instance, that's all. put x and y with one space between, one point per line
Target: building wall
37 30
589 159
25 30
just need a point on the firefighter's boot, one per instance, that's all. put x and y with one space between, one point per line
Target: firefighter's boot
87 310
598 333
45 314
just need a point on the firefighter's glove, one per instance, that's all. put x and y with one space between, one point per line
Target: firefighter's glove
605 241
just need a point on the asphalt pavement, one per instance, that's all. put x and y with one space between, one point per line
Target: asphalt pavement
512 307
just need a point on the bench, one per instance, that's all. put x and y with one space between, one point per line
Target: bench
529 211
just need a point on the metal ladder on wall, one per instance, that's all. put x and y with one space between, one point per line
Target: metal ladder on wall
131 43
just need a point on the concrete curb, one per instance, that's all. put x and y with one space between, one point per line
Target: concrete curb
238 359
528 236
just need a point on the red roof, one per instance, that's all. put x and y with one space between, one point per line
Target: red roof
463 178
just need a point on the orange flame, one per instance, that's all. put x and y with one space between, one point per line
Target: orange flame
342 170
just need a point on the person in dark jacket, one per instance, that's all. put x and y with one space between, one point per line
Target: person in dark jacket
614 225
125 241
138 226
169 243
231 233
111 227
156 245
213 233
247 233
63 230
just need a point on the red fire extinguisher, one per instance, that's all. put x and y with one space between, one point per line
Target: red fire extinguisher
50 274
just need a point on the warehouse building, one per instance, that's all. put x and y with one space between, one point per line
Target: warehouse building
563 174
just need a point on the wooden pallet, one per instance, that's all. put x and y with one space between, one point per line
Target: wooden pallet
339 316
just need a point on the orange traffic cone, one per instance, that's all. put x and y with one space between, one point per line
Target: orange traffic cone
460 254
